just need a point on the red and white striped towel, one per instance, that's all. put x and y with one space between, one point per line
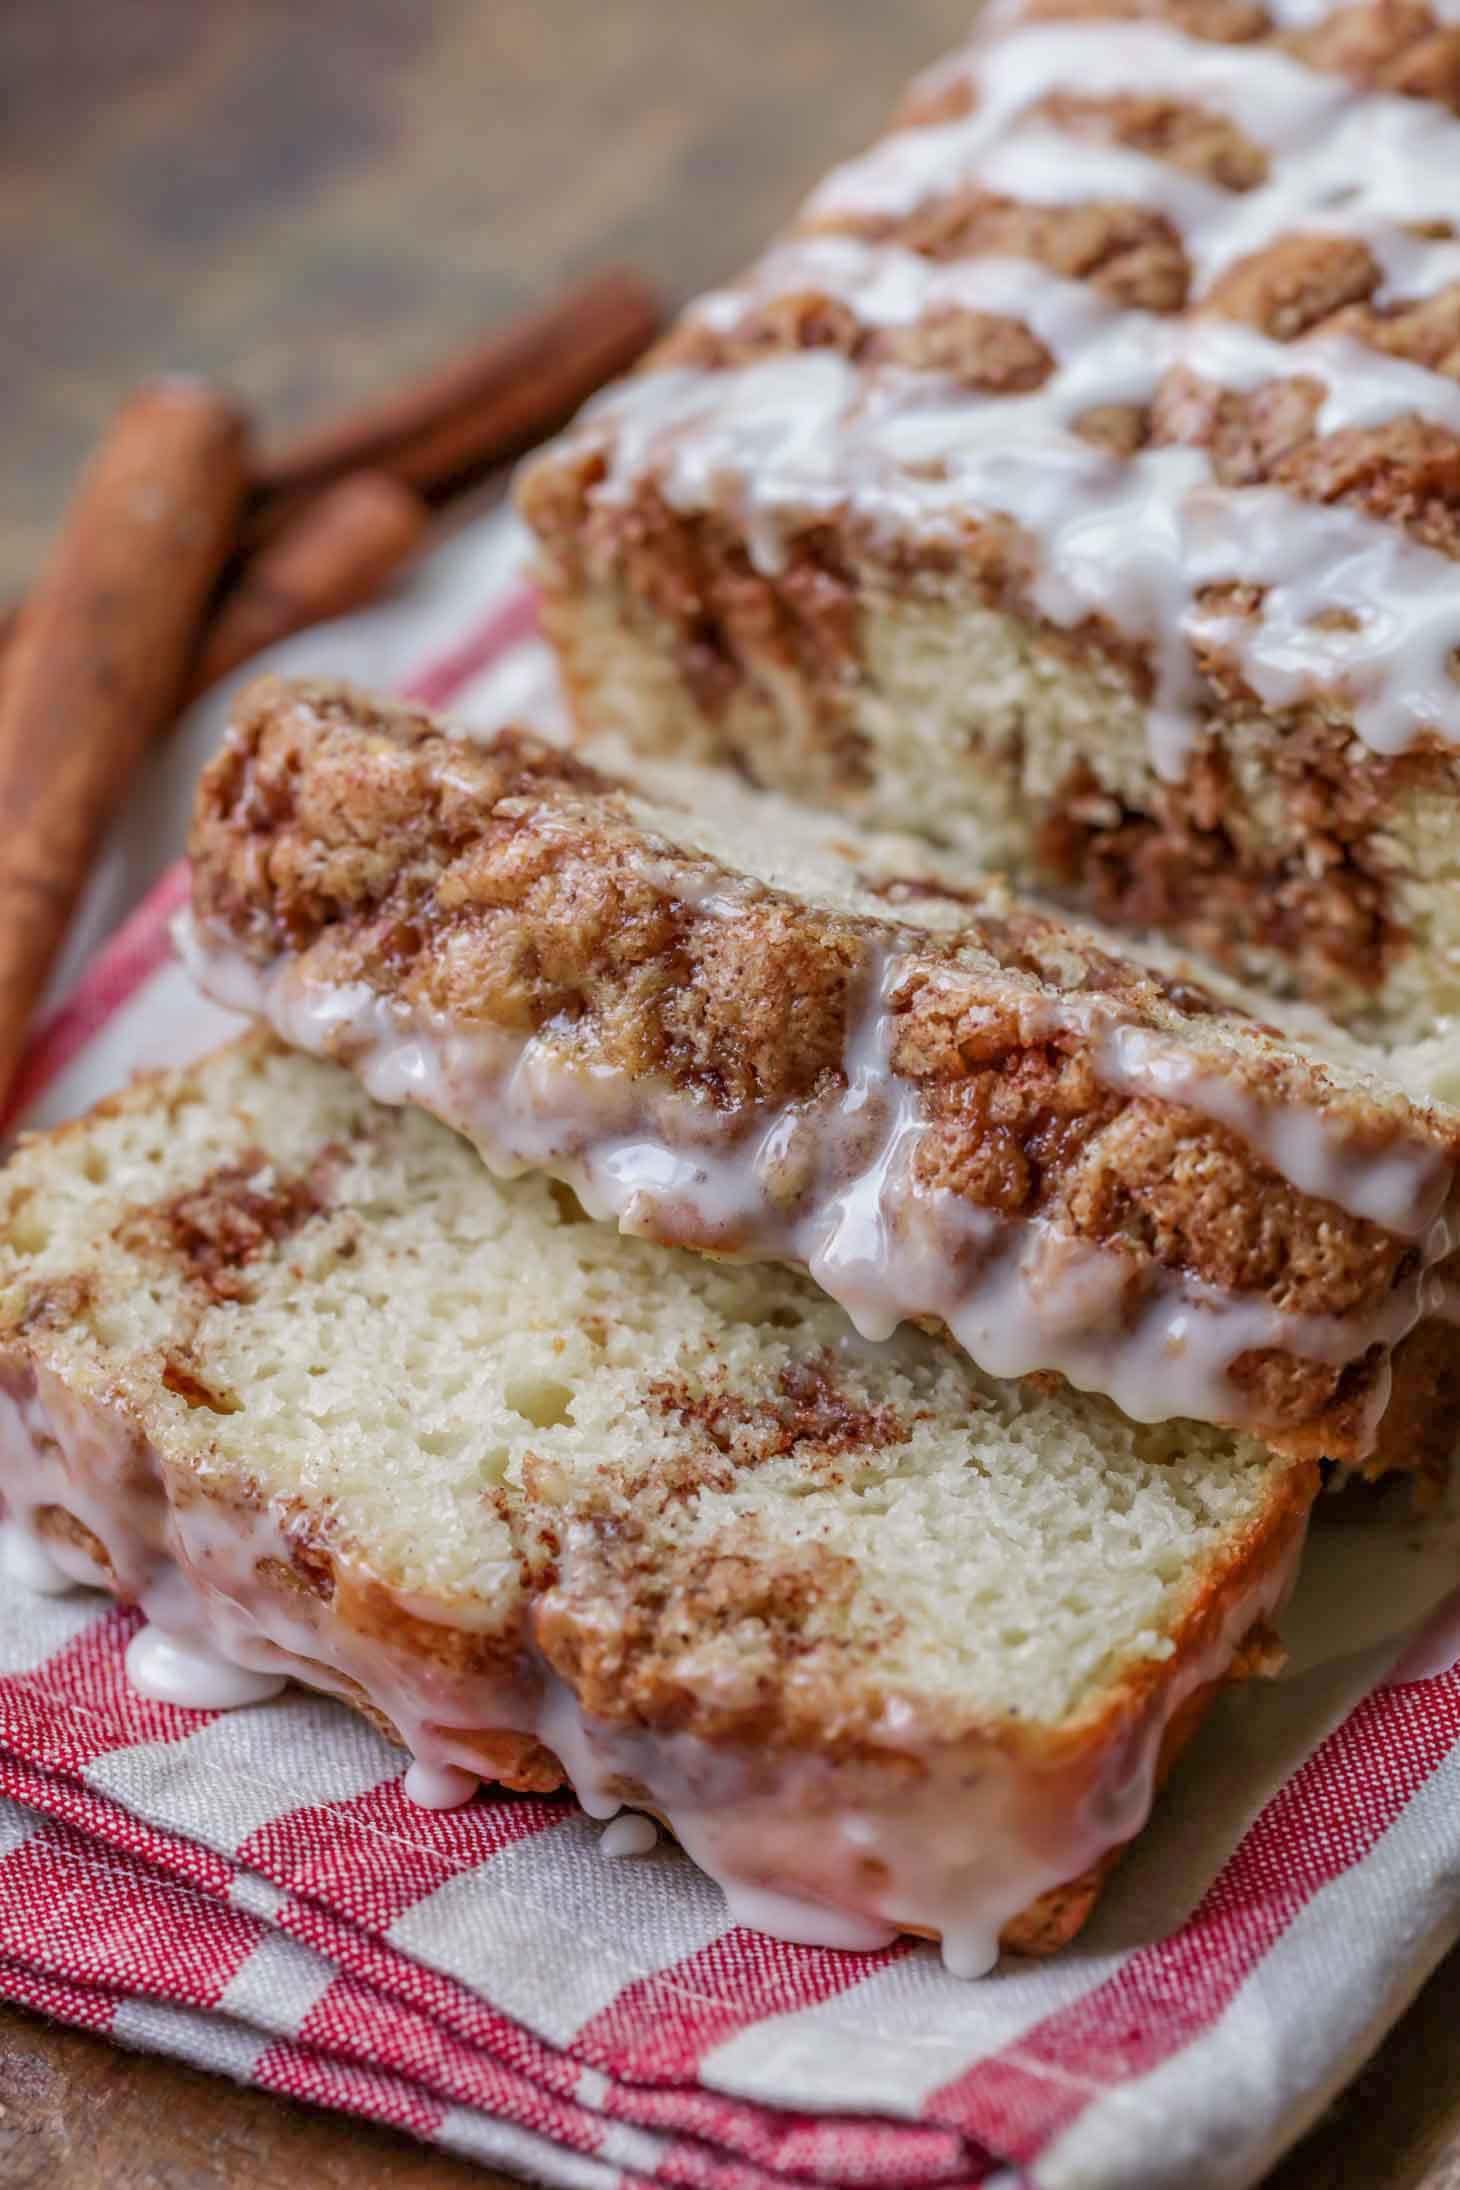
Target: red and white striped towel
253 1892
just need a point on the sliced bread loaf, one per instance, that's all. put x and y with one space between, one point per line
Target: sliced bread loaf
735 1025
889 1644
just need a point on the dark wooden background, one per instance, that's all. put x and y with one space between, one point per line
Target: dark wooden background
310 198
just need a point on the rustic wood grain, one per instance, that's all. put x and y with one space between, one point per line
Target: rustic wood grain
313 202
77 2113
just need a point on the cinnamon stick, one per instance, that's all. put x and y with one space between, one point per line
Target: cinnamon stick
335 553
98 659
508 391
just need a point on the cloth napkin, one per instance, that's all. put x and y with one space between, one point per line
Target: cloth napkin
253 1892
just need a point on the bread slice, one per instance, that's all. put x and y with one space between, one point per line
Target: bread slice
736 1026
889 1645
1080 479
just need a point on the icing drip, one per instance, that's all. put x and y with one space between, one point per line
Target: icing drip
1403 1189
1280 102
1303 14
761 1908
843 1855
1394 663
1357 163
1361 387
1383 165
27 1562
1130 541
630 1833
171 1670
832 1185
1134 542
887 286
890 287
1042 167
440 1786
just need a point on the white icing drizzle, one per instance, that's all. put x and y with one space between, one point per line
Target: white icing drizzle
440 1786
1304 14
1392 665
27 1561
1361 387
837 1855
1279 103
1134 541
1383 164
1413 266
831 1184
887 286
631 1833
1403 1188
1131 540
1357 163
1040 1299
173 1670
1041 166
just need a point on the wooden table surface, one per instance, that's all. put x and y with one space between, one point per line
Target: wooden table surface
310 198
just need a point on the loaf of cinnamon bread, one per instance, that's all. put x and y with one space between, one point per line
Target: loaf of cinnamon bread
1078 483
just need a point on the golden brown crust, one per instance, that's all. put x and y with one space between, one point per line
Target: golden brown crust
1416 1433
504 1759
1058 1916
506 885
523 1765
